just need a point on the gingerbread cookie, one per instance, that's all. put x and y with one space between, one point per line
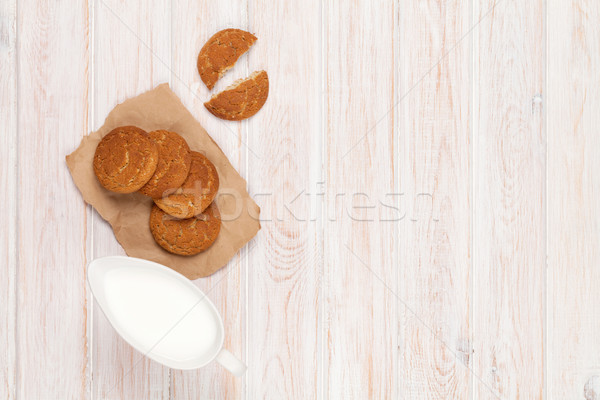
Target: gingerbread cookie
174 160
196 193
221 52
241 100
185 236
125 159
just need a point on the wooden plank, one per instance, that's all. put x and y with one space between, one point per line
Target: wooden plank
573 197
196 22
51 291
434 243
509 200
8 197
284 161
360 271
131 55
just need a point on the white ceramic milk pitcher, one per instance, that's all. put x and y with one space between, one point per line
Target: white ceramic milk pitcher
160 313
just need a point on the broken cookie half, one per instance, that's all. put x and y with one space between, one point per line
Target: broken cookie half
221 52
241 100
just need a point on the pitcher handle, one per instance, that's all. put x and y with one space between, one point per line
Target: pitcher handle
231 362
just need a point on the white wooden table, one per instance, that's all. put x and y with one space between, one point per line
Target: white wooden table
429 178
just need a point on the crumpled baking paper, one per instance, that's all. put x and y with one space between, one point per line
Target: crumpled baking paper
128 214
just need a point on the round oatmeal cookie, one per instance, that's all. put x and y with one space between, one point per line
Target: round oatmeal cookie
174 160
196 193
185 237
125 159
241 100
221 52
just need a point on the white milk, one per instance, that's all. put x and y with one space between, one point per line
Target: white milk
162 315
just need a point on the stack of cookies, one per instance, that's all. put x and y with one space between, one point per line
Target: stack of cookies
183 183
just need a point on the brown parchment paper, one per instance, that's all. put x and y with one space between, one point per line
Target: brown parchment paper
128 214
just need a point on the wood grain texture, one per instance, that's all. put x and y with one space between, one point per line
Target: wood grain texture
284 161
132 51
52 116
360 276
399 246
509 200
573 199
8 196
195 22
434 240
